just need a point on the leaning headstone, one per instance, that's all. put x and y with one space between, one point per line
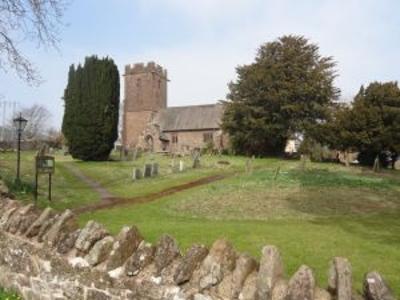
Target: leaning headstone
154 170
181 166
147 170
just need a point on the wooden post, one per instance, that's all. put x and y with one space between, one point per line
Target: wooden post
346 159
36 183
376 166
277 172
49 186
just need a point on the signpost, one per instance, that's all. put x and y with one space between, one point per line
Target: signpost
44 164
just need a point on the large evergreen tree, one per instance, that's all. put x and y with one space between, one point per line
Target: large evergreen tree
370 125
287 90
91 98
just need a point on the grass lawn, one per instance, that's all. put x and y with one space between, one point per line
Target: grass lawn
67 190
8 295
117 175
312 215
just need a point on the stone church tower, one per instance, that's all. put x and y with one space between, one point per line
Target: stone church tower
145 95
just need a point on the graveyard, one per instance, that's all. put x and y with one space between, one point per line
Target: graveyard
312 212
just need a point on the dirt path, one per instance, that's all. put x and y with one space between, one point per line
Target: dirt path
113 201
96 186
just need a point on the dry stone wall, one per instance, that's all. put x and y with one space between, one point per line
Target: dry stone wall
45 255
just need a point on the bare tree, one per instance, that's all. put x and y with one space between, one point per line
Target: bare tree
55 138
33 20
38 117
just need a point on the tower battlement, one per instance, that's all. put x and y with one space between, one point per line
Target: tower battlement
145 93
150 67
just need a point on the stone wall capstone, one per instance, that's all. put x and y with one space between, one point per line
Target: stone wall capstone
44 255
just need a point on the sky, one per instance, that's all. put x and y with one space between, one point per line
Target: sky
200 43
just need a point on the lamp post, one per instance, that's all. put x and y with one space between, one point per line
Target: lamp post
19 124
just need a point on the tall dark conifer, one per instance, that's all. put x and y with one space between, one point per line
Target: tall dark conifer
91 98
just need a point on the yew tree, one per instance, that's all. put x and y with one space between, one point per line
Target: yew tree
370 124
90 123
287 90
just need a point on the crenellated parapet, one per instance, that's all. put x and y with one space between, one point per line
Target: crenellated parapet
150 67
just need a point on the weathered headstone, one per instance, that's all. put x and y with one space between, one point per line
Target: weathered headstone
147 170
154 171
196 160
249 166
172 165
181 166
137 174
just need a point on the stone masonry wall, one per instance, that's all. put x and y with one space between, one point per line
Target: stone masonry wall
45 255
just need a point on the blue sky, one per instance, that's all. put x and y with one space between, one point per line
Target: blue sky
201 42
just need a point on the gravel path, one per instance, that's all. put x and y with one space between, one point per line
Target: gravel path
96 186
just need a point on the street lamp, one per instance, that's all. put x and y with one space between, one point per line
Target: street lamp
19 124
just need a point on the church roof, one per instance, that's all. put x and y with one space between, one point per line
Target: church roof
196 117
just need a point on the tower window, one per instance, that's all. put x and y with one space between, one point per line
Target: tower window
138 83
159 84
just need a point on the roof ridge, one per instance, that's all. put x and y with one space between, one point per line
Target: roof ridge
198 105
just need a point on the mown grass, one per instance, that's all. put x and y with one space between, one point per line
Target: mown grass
67 190
116 176
5 295
311 215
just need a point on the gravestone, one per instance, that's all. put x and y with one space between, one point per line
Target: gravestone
147 170
134 154
154 171
173 166
181 166
137 174
196 160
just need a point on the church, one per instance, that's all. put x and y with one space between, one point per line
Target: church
149 124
